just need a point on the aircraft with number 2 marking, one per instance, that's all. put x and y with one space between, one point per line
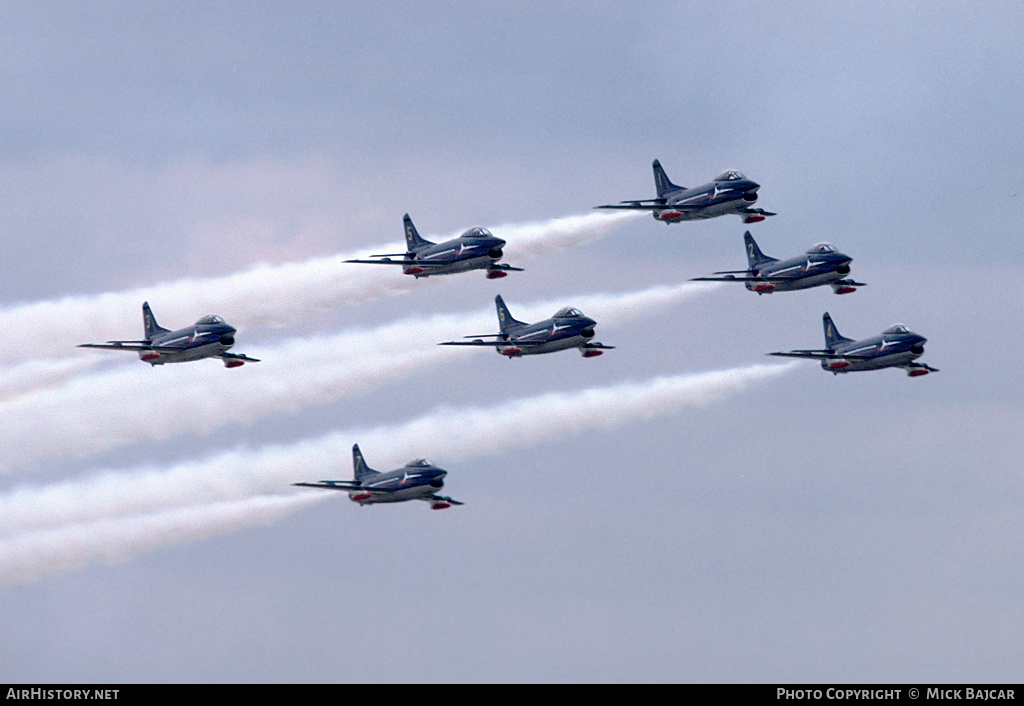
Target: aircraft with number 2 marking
568 328
416 480
476 249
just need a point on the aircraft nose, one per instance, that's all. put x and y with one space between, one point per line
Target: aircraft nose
750 193
917 347
843 267
438 480
588 328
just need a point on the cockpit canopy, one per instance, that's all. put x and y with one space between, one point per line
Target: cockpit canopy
419 463
477 232
567 312
897 328
821 249
731 175
211 319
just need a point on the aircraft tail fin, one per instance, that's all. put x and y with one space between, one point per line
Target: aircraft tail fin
756 259
662 182
361 470
506 323
832 336
412 236
150 326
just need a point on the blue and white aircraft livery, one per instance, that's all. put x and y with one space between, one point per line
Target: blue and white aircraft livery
568 328
416 480
729 192
822 264
896 347
476 249
210 337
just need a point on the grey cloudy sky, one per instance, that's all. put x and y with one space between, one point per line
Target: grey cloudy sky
796 527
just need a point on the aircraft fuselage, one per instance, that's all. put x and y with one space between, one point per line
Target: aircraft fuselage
806 271
476 249
717 198
399 485
884 351
188 344
556 334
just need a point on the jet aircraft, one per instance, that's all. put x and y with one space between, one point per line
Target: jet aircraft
210 337
822 264
729 192
416 480
896 347
568 328
476 249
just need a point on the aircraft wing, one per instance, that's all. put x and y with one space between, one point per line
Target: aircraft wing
236 356
597 345
757 212
651 205
131 346
388 261
119 345
425 264
481 342
819 355
445 499
342 485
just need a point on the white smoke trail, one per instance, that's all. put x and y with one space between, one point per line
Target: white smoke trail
49 552
36 375
447 434
272 294
96 413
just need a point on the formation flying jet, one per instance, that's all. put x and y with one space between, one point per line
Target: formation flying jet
476 249
729 192
209 337
822 264
568 328
896 347
416 480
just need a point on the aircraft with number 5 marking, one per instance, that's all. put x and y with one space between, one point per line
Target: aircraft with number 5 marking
210 337
729 192
822 264
896 347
